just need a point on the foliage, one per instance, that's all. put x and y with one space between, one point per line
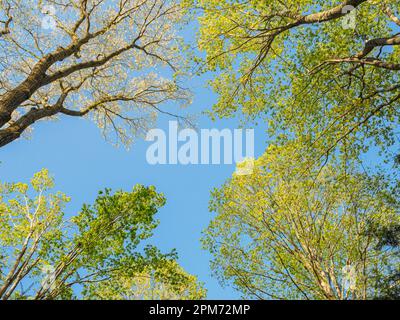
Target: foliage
303 67
168 282
281 234
44 256
116 62
388 237
327 87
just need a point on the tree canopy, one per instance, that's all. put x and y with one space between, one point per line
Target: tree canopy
311 220
307 69
323 76
281 235
116 62
100 252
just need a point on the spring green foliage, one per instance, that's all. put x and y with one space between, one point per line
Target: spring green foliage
282 236
92 255
302 69
167 282
388 236
326 83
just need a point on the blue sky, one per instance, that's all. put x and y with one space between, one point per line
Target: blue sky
83 163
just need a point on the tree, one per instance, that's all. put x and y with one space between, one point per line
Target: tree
388 237
282 235
170 282
308 68
116 62
101 249
323 75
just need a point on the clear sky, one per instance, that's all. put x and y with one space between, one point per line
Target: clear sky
83 163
